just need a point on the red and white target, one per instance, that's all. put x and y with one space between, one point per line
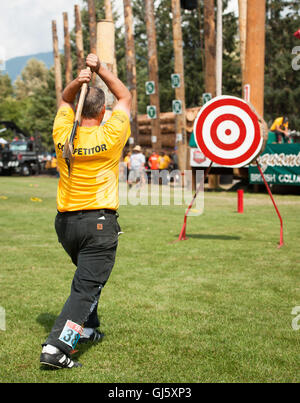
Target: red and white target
227 131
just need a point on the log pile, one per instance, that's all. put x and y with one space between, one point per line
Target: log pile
167 126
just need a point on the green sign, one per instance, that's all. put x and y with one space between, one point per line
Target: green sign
150 87
177 107
206 97
175 80
151 111
280 164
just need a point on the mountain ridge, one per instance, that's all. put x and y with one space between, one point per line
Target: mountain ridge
15 65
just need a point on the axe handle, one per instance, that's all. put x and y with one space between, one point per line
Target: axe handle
83 93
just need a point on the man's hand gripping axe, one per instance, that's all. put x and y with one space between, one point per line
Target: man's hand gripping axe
68 148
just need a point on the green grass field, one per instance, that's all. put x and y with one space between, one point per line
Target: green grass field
214 308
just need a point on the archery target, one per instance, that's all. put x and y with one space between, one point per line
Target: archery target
227 131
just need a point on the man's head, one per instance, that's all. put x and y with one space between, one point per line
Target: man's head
94 104
137 149
285 119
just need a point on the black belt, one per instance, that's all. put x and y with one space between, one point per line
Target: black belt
103 211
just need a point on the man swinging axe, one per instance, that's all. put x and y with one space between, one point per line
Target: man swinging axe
87 203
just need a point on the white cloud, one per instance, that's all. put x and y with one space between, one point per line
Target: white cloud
25 26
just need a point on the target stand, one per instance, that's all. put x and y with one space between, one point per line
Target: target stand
229 132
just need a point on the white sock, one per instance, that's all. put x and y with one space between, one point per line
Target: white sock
49 349
87 331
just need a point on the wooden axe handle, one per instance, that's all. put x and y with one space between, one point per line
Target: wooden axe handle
83 92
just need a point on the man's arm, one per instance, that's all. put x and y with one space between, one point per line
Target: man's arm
115 85
71 90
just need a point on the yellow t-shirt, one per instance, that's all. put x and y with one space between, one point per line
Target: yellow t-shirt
278 122
164 162
94 180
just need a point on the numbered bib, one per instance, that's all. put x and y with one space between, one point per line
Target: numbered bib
71 334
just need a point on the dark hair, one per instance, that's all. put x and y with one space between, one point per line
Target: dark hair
285 119
93 104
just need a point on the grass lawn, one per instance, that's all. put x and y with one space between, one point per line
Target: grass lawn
214 308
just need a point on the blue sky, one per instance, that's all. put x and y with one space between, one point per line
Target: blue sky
25 25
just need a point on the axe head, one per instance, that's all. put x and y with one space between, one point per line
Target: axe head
68 148
68 156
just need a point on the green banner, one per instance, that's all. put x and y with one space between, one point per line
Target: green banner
280 164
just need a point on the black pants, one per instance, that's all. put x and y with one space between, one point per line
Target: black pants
90 237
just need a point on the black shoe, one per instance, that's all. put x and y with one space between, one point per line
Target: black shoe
59 360
95 337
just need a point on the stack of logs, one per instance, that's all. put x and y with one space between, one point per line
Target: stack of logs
167 125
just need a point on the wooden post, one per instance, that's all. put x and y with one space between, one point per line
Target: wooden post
93 33
210 63
131 67
180 119
79 40
105 51
255 53
92 26
219 46
57 64
210 46
243 37
153 73
68 58
109 16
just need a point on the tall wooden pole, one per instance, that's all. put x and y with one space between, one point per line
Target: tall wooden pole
109 16
79 39
93 33
219 46
243 36
68 57
180 120
106 52
210 46
153 73
255 53
57 64
131 67
210 62
92 26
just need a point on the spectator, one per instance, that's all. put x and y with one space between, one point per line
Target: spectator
164 160
154 160
136 167
280 128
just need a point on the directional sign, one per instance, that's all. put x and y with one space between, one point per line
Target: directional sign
151 111
206 97
177 106
150 87
175 79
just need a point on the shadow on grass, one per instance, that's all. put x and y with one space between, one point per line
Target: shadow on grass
214 236
47 320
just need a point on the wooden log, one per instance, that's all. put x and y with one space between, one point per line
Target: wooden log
210 46
105 52
180 120
131 67
153 70
255 53
79 40
57 64
68 57
109 16
92 26
167 141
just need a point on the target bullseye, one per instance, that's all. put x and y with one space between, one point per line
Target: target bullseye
227 131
